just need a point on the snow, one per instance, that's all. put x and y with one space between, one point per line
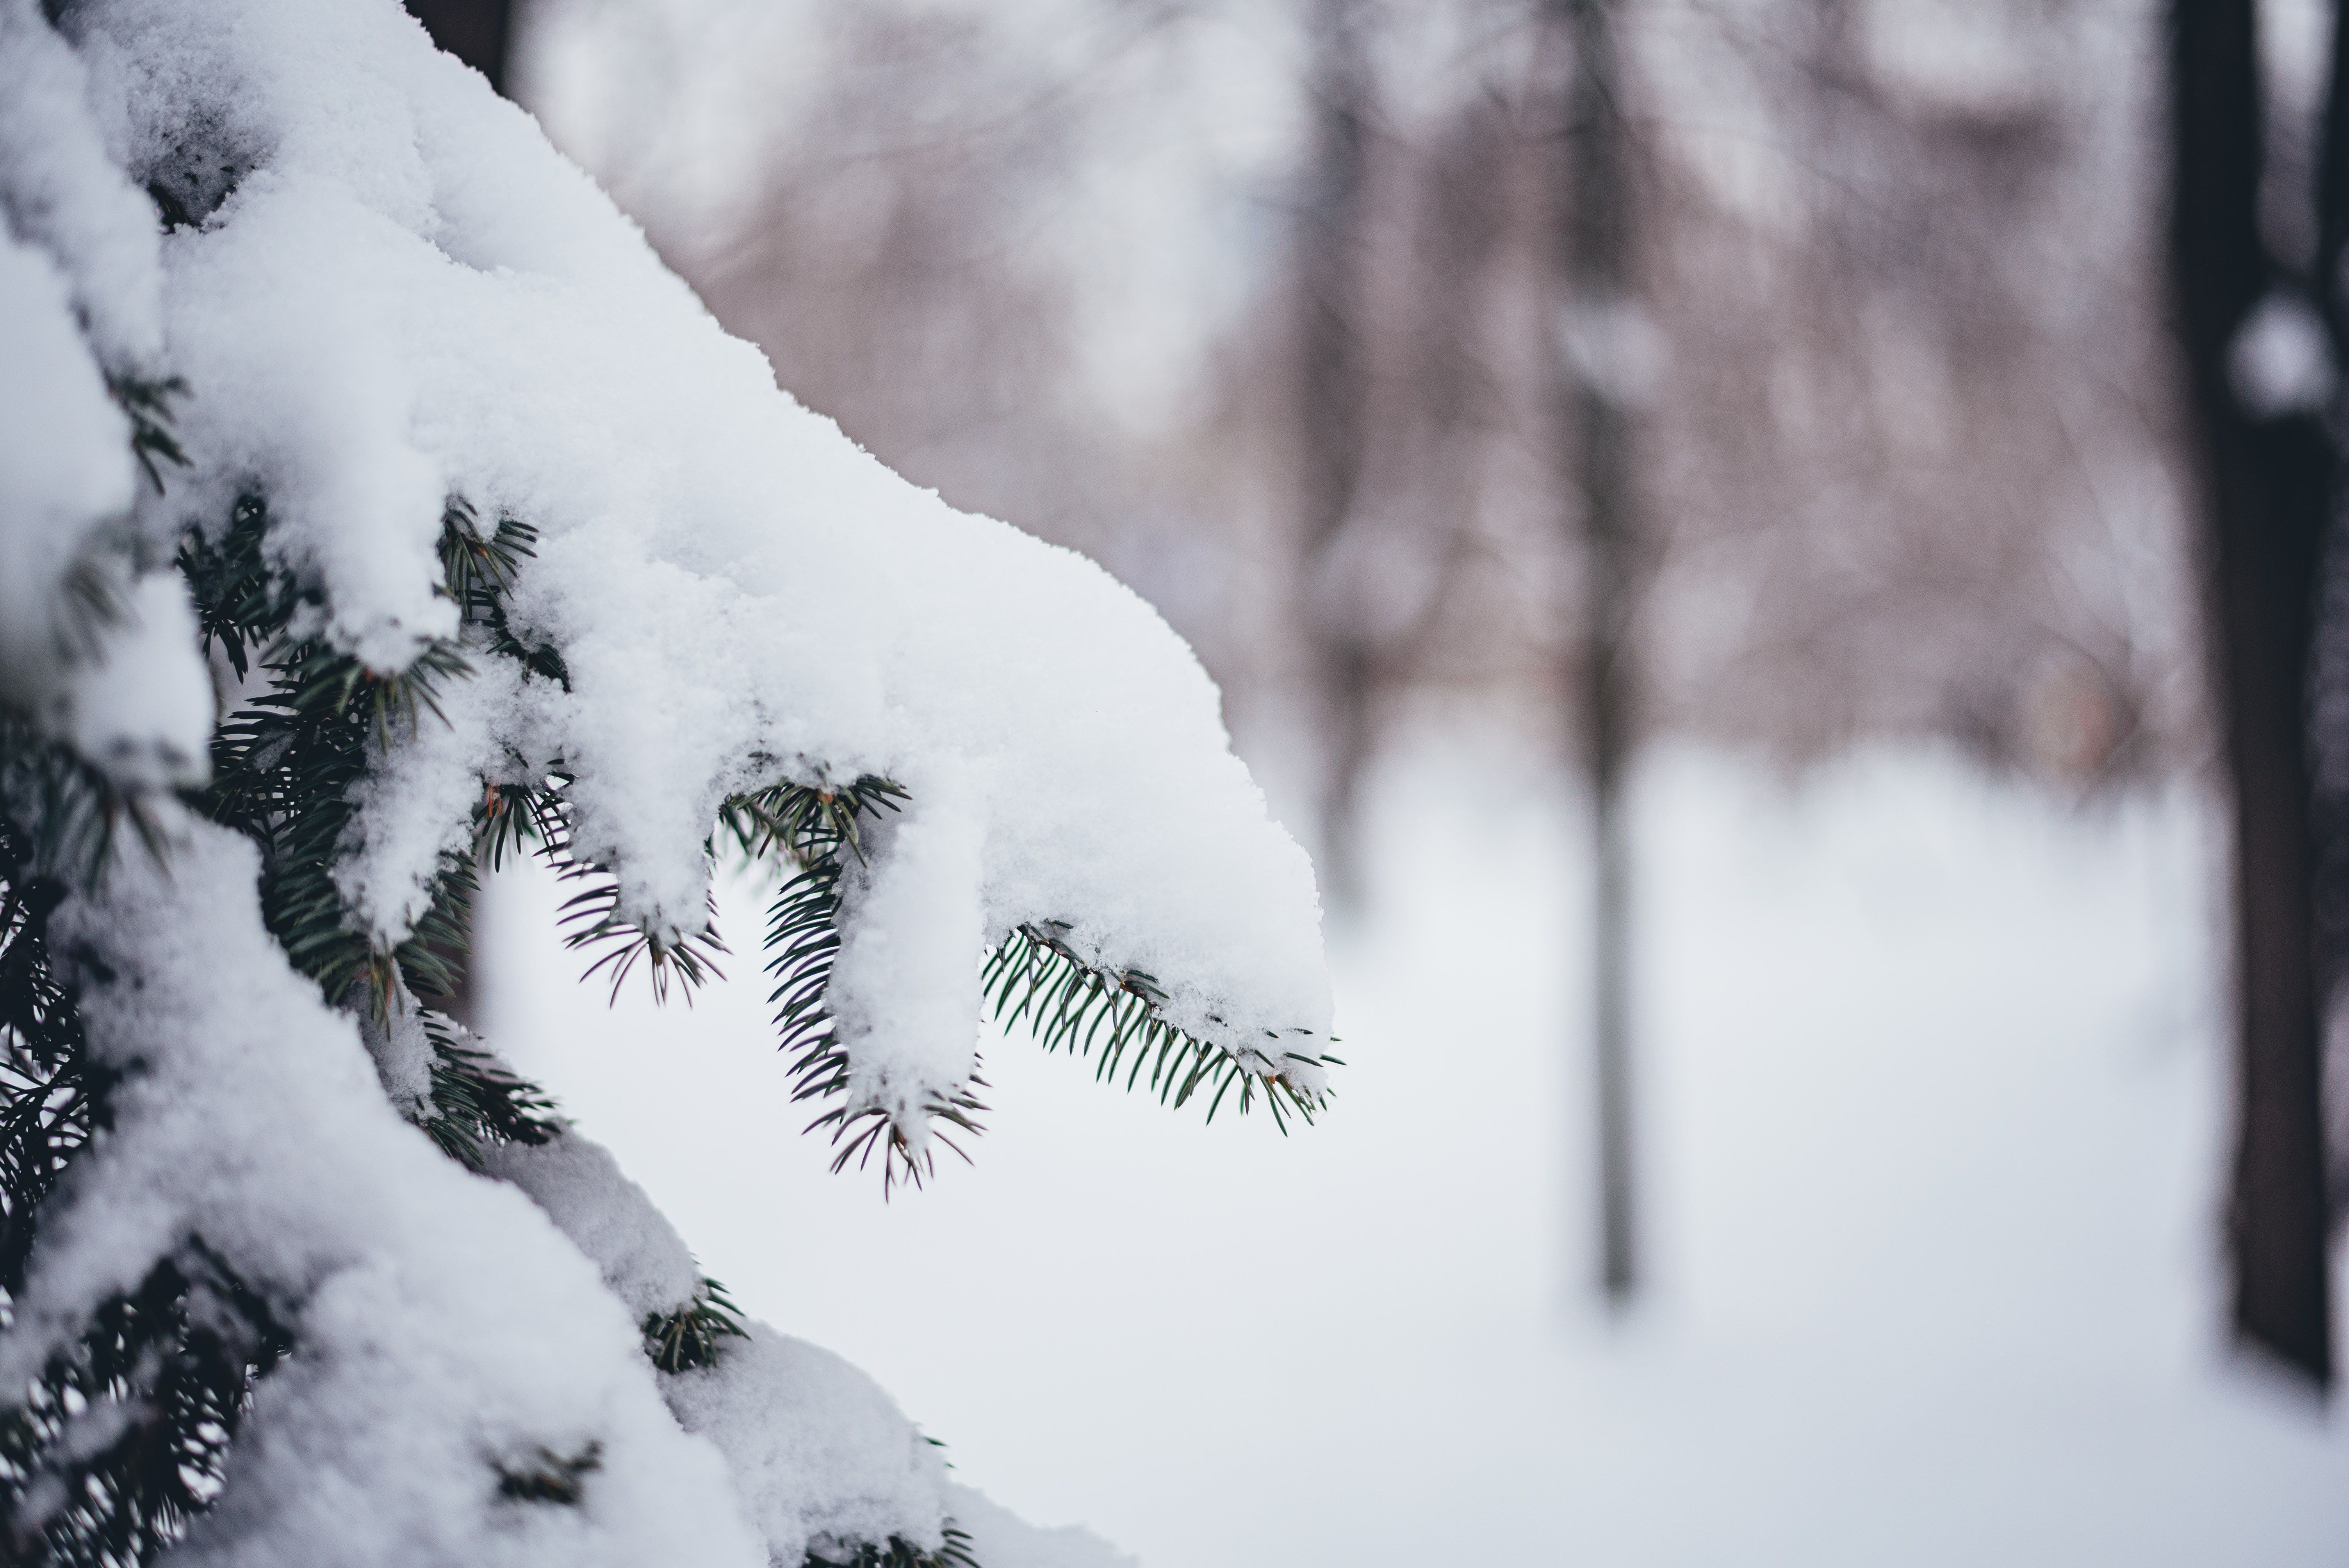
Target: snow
407 295
793 1421
2280 361
645 1262
1934 1120
443 1322
1000 1536
914 910
65 191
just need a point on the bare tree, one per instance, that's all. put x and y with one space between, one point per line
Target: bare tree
2268 471
1604 327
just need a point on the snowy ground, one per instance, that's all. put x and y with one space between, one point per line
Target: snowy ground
1933 1124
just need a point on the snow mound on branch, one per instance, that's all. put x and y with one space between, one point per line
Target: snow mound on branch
1001 1539
645 1262
445 1327
89 652
401 294
793 1421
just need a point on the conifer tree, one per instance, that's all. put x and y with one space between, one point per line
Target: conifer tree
375 510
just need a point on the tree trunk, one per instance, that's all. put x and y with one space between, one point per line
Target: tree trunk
1333 394
477 32
2267 502
1596 253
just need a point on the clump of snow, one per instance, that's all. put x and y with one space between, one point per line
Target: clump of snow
2280 361
793 1421
911 918
65 468
403 1057
575 1180
88 651
64 192
142 706
1001 1539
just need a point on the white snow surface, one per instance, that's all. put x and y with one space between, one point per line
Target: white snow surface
406 295
111 665
793 1421
998 1536
575 1180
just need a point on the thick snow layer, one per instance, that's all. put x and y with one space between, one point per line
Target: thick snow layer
911 912
645 1262
793 1421
444 1326
66 191
64 466
90 653
1000 1538
398 293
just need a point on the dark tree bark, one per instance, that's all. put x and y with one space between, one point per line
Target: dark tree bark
1595 245
477 32
2268 484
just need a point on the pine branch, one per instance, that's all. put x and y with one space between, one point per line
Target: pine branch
816 829
899 1553
1034 977
148 405
693 1334
549 1477
121 1441
592 921
477 1100
69 816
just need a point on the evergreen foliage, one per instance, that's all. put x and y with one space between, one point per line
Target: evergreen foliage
120 1443
122 1431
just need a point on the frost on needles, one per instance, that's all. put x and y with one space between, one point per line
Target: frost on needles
374 506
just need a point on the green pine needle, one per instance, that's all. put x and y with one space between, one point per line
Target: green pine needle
693 1334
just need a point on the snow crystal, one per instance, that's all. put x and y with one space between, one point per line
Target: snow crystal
794 1422
645 1263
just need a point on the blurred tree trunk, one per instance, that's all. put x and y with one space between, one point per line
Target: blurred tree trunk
2268 489
1601 324
1333 398
477 32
